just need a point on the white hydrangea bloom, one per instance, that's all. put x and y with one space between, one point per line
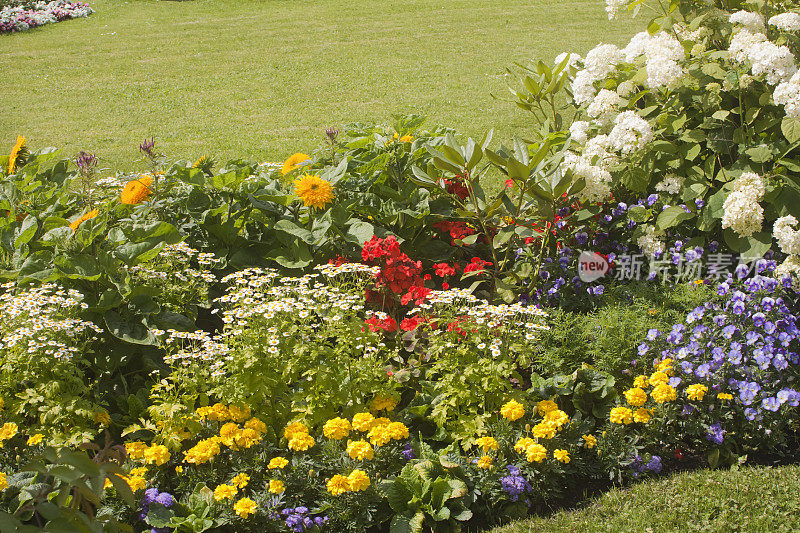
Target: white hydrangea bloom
649 243
685 34
582 88
613 7
597 179
602 60
630 133
777 62
788 238
572 62
789 268
604 106
578 131
742 212
671 184
597 147
787 94
742 43
662 53
636 46
786 21
750 20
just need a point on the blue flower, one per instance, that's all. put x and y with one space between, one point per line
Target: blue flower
653 198
165 499
654 465
715 433
771 404
643 348
652 334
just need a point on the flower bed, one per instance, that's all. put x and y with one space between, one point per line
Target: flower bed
33 14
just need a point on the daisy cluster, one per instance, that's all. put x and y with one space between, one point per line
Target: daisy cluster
38 321
23 17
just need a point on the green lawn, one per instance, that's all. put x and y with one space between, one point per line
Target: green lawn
751 499
262 79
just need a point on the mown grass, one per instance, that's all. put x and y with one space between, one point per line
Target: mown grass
750 499
262 79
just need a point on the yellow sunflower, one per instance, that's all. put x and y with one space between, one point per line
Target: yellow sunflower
91 214
314 191
136 191
17 152
294 161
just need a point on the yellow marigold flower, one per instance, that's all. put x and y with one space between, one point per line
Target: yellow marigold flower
406 139
358 480
256 425
276 486
293 429
314 191
485 462
107 484
544 430
8 430
535 453
245 507
397 430
523 444
229 430
512 410
589 441
136 191
641 416
239 414
179 469
135 482
336 428
557 418
19 148
658 378
621 415
277 462
102 418
216 412
247 438
83 218
3 481
381 403
140 471
301 442
294 161
696 392
545 406
35 439
363 421
641 382
663 393
224 492
202 452
240 480
665 365
636 396
381 421
561 455
379 435
487 443
725 396
360 450
338 484
157 454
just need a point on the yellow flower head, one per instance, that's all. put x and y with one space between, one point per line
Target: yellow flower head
224 492
557 418
406 139
293 429
379 435
589 441
8 430
229 430
636 396
696 392
338 485
277 462
544 430
397 430
246 438
35 439
358 480
642 416
240 480
135 450
380 403
535 453
3 481
276 486
202 452
239 414
663 393
216 412
360 450
621 415
301 442
725 396
545 406
641 382
256 425
245 507
561 455
363 421
157 454
512 410
487 443
523 444
294 161
485 462
314 191
665 366
83 218
17 152
336 428
136 191
658 378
